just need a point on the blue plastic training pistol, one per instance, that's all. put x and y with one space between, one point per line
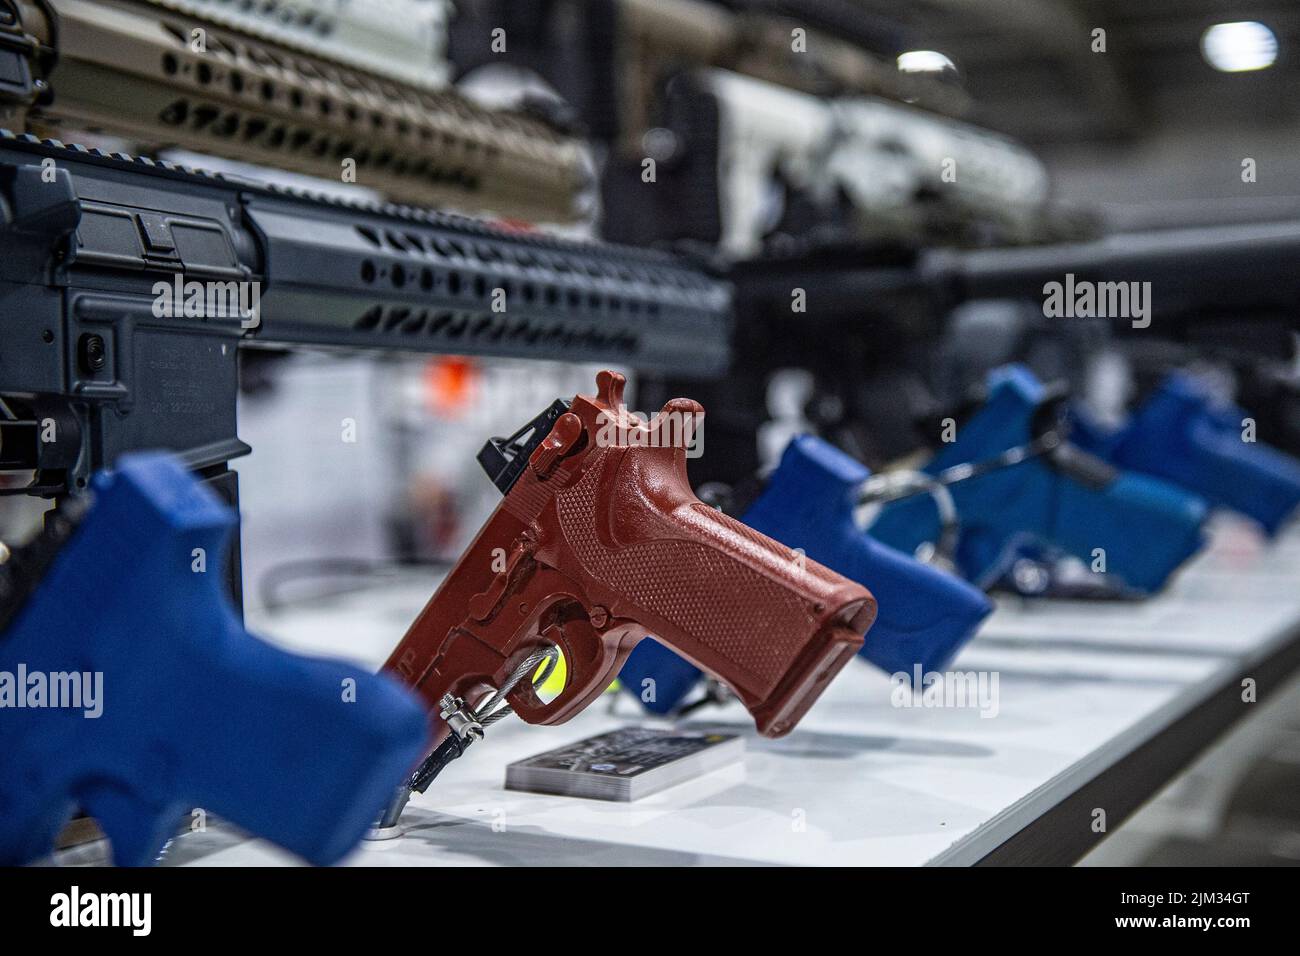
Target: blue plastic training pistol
1182 434
808 503
130 690
1064 497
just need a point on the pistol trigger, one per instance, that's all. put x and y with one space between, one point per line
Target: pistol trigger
482 605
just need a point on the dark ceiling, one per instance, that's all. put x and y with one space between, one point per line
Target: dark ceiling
1032 72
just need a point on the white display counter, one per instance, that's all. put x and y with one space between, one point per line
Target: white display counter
1097 706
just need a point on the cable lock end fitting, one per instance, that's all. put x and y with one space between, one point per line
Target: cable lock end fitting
459 718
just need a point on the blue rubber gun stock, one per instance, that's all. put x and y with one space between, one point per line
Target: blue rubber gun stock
1065 498
808 503
1181 434
135 694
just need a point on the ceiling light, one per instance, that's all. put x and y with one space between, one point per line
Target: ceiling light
924 61
1239 47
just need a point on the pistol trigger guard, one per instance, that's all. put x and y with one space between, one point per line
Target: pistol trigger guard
137 829
590 666
523 699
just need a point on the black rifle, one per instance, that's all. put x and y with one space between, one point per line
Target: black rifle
126 284
1230 293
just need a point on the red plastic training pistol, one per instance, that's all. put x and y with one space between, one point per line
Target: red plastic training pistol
600 542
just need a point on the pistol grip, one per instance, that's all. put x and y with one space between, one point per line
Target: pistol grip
303 751
754 614
926 614
1181 434
1206 453
194 711
1254 480
1145 527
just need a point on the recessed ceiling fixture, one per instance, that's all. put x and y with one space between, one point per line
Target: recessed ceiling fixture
1239 47
924 61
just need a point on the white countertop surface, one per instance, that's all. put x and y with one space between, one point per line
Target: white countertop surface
860 781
